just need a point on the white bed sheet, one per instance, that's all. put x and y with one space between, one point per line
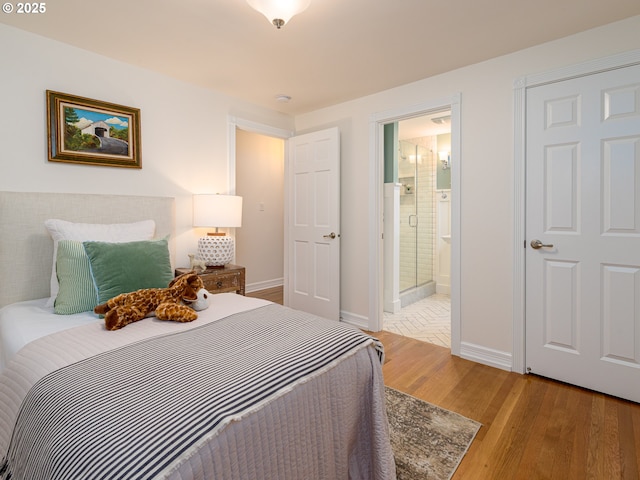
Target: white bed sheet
24 322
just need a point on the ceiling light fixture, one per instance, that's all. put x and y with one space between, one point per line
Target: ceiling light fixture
442 120
279 12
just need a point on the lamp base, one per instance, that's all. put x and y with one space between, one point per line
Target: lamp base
215 250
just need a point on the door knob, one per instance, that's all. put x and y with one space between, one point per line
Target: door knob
538 244
332 235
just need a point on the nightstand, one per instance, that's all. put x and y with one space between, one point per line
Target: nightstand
229 278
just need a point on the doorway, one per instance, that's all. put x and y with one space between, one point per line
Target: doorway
256 172
260 183
417 230
323 147
377 244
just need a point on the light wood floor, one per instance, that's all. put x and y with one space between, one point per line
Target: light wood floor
532 427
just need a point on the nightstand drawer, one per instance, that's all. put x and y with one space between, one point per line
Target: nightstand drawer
229 278
227 282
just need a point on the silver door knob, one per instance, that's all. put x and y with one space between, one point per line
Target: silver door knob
332 235
538 244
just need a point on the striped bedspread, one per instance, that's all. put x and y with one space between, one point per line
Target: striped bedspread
141 410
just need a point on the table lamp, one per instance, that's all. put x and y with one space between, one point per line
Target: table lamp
225 211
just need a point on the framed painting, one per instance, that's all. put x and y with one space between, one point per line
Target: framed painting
92 132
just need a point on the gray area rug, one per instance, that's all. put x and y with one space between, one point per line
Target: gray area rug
428 441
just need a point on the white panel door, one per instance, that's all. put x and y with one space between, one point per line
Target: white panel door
583 205
313 240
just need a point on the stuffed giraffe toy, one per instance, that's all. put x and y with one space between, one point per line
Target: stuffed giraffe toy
177 302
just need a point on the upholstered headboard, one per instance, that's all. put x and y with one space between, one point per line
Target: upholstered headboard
26 249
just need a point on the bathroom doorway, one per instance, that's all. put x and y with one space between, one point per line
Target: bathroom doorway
417 225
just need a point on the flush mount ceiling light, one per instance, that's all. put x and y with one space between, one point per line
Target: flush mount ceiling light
279 12
442 120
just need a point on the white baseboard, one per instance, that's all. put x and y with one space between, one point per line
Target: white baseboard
468 351
359 321
254 287
393 307
486 356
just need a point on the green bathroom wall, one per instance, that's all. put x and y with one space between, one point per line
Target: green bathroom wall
443 177
391 152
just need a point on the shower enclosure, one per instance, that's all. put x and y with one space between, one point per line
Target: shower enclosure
416 167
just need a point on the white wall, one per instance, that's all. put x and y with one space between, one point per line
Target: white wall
184 127
487 225
260 183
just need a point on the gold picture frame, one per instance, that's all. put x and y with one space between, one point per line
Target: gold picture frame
92 132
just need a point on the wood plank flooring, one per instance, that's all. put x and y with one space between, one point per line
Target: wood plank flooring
274 294
532 427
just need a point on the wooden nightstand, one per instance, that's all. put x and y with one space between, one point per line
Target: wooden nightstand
230 278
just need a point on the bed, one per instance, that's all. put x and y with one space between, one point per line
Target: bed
250 390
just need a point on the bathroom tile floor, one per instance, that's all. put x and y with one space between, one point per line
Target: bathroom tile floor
428 320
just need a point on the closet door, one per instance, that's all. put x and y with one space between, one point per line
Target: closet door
583 231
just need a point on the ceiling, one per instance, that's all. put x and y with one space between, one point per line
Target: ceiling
334 51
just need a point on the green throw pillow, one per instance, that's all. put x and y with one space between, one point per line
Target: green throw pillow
125 267
77 292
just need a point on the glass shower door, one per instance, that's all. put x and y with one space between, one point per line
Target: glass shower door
416 215
425 211
408 215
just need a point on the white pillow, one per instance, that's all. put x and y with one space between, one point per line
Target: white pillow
84 232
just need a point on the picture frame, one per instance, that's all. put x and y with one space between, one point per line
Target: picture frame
92 132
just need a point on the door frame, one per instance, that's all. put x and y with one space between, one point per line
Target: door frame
376 204
521 84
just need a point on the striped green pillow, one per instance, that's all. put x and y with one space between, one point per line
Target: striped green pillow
77 291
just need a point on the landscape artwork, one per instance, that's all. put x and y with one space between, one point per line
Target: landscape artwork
86 131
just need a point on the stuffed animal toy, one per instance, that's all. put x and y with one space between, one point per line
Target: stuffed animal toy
177 302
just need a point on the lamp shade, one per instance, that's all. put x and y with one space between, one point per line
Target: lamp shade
279 12
217 211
